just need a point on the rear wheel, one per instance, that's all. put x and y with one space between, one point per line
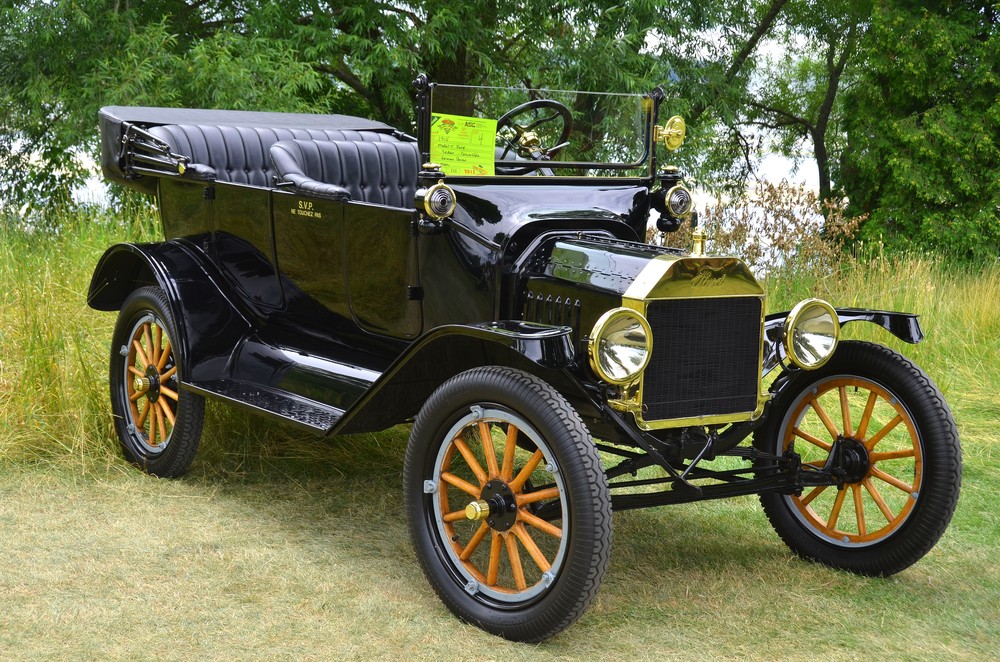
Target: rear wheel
508 506
158 424
884 424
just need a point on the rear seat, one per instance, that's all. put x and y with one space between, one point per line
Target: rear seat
383 173
239 154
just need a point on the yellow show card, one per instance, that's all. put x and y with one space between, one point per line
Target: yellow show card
463 146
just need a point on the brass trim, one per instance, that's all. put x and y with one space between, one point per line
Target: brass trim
596 336
477 510
672 278
671 133
793 319
429 195
690 205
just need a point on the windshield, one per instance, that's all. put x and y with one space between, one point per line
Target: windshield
489 131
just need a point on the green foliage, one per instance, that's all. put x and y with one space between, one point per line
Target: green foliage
61 60
896 105
924 128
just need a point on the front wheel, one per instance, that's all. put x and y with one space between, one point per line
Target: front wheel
159 425
884 425
509 509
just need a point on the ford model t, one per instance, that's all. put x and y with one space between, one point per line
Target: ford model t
488 281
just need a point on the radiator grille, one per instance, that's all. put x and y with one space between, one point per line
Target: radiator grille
706 355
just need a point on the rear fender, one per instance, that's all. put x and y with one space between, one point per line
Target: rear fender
542 350
209 325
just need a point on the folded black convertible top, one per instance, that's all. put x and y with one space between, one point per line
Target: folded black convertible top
149 116
117 121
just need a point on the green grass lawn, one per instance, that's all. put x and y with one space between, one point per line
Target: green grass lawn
277 546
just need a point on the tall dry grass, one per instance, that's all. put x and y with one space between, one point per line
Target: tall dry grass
54 349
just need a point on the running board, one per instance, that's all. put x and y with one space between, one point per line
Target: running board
307 414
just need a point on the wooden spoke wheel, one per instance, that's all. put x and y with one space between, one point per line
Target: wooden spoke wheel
876 419
485 513
158 424
509 509
151 383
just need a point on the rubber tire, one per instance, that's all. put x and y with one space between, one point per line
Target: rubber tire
589 546
942 459
175 458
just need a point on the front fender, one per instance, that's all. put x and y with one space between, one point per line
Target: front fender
542 350
209 325
905 326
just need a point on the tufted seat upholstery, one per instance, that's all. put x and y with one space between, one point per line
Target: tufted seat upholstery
239 154
383 173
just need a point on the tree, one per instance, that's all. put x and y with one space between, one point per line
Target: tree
60 60
797 97
923 127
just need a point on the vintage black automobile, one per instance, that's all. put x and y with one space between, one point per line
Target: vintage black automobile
489 281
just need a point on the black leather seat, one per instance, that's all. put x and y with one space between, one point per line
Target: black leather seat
239 154
383 173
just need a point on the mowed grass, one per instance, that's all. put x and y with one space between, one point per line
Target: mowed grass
276 546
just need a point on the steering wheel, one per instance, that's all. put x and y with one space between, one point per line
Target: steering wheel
525 142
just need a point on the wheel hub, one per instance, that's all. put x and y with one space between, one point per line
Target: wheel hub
497 505
150 384
851 458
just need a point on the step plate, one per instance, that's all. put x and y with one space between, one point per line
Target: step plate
309 414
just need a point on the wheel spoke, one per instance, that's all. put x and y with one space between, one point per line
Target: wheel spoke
892 480
140 353
812 495
845 411
515 562
465 486
540 495
470 460
529 545
166 411
823 416
170 393
477 538
157 341
135 371
507 470
154 419
859 509
539 523
141 421
149 343
161 424
877 498
135 396
168 374
488 450
493 571
517 484
890 455
812 440
835 513
886 429
162 362
455 516
867 416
